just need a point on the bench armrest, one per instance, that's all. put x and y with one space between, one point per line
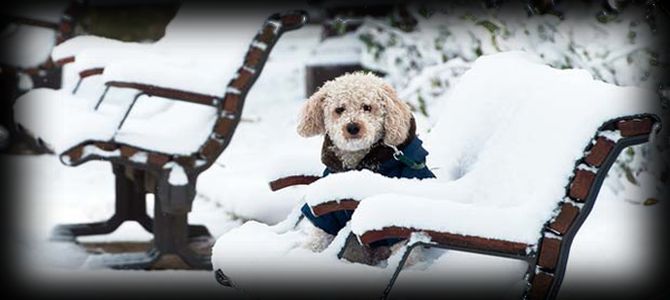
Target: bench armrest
170 93
287 181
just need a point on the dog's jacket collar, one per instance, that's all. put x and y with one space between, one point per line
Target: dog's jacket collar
380 158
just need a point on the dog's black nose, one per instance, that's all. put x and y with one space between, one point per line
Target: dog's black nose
352 128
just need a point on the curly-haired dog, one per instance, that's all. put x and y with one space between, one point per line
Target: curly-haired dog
366 126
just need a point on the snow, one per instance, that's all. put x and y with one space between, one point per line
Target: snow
75 46
198 44
30 45
177 174
62 120
25 82
209 77
496 164
157 123
612 135
291 164
234 191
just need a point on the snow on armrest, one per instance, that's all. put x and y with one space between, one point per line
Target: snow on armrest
358 185
169 73
290 170
519 224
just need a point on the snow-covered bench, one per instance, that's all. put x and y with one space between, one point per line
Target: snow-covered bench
520 153
179 119
33 32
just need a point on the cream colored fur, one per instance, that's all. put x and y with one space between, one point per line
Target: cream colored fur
356 98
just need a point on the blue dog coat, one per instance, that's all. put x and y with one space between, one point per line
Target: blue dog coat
380 160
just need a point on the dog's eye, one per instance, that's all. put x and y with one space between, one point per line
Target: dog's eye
367 107
339 110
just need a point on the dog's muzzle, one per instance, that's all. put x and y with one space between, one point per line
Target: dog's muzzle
353 129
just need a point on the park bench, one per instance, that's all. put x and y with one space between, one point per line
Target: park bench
29 33
517 171
181 131
32 31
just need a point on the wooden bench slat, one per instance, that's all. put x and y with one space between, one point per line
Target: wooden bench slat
635 127
284 182
549 252
581 185
445 238
333 206
598 153
565 217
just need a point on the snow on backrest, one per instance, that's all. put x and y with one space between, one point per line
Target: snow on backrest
512 128
167 126
206 41
214 28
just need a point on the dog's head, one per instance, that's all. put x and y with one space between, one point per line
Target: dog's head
356 110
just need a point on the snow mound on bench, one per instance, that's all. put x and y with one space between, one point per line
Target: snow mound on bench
75 46
63 121
30 45
503 152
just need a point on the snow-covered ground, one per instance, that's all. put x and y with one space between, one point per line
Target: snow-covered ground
617 254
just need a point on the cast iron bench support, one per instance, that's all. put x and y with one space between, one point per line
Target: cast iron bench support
172 232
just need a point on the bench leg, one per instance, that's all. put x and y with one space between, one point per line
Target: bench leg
172 235
130 206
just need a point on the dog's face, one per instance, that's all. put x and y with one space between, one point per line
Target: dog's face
356 110
353 117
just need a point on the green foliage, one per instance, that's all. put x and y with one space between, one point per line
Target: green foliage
128 22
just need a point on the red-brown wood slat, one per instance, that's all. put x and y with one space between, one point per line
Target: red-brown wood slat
91 72
267 34
284 182
157 159
242 80
635 127
224 126
232 103
599 152
565 217
549 252
211 149
75 154
581 185
253 58
127 151
448 239
540 285
291 20
65 61
333 206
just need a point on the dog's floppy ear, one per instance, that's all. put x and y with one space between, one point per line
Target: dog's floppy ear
311 116
397 118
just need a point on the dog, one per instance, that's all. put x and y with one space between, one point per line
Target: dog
365 126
